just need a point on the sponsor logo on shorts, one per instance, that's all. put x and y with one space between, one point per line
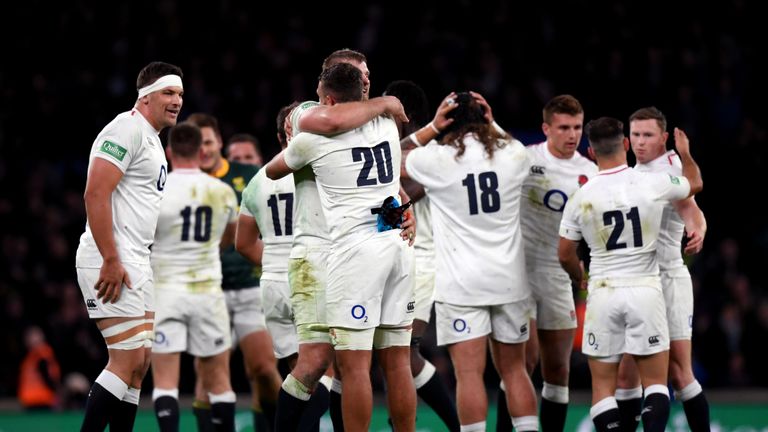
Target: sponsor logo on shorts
218 341
690 321
524 329
537 170
411 306
160 338
613 425
460 325
91 304
573 315
114 150
591 340
653 340
358 312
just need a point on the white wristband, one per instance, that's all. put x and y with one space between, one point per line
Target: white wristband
415 139
434 128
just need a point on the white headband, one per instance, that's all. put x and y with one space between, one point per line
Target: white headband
161 83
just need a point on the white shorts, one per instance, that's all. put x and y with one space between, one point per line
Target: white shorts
625 316
279 317
245 311
555 309
133 302
370 284
307 277
424 288
197 323
678 296
506 323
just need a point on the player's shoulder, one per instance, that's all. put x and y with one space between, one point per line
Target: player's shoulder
536 149
126 125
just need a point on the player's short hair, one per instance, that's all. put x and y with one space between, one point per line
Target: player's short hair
606 136
413 98
469 117
245 137
202 120
343 81
185 140
281 116
562 104
151 72
342 55
650 113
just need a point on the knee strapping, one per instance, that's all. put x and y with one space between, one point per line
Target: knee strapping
128 335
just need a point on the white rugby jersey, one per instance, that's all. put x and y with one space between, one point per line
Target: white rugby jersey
193 216
546 189
475 203
133 145
356 171
618 213
424 246
310 230
271 203
672 226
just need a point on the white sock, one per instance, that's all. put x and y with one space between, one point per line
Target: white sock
158 393
295 388
602 406
336 386
425 375
628 394
226 397
656 388
132 395
526 423
689 392
112 383
327 382
555 393
474 427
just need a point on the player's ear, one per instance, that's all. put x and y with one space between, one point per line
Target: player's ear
626 144
545 128
591 153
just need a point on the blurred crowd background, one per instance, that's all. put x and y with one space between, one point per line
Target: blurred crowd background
69 67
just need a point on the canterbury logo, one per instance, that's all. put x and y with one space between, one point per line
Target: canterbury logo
653 340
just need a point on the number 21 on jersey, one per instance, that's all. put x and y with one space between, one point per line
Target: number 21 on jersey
616 218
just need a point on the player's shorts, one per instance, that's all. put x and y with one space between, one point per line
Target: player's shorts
276 298
245 311
197 323
506 323
369 284
424 288
551 290
678 297
133 302
625 315
307 277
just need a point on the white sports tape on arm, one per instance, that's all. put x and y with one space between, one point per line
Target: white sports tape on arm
161 83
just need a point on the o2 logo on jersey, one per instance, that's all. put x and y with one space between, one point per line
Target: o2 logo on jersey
358 313
162 178
461 326
555 200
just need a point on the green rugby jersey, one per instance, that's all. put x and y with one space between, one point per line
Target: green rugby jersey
237 272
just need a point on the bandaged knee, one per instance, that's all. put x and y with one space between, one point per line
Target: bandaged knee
128 335
388 337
